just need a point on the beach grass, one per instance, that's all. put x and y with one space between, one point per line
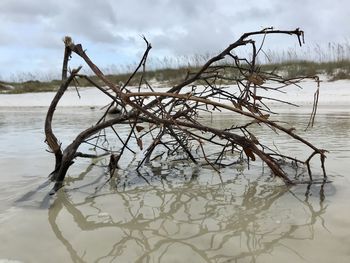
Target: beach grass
333 70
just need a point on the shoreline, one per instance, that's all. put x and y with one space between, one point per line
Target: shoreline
332 94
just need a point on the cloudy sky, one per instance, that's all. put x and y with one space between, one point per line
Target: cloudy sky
32 30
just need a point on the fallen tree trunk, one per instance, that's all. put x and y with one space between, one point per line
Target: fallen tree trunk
171 119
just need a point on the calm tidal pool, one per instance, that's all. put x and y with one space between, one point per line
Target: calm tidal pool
185 214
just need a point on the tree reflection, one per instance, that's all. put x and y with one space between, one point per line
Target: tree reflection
233 222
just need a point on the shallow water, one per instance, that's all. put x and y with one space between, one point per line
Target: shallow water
241 216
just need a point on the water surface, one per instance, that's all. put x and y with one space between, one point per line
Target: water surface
239 216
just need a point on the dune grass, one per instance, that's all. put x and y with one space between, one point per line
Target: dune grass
333 70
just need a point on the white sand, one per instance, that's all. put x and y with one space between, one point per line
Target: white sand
331 94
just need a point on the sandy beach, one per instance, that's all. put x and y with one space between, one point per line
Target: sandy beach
331 94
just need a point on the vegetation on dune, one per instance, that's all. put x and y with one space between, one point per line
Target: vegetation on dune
332 62
28 86
164 77
334 70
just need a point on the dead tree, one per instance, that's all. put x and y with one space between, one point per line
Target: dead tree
171 120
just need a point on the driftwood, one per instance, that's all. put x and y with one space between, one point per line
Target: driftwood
171 119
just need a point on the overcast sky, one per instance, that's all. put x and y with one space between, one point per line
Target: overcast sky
32 30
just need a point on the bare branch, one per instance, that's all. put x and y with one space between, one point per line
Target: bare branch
170 124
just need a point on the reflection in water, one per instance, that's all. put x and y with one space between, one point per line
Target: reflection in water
242 219
237 221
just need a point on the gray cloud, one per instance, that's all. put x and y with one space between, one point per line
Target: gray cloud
27 11
179 27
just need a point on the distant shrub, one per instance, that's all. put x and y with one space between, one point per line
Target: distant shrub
340 74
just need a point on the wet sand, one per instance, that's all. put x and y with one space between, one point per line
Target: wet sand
190 217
